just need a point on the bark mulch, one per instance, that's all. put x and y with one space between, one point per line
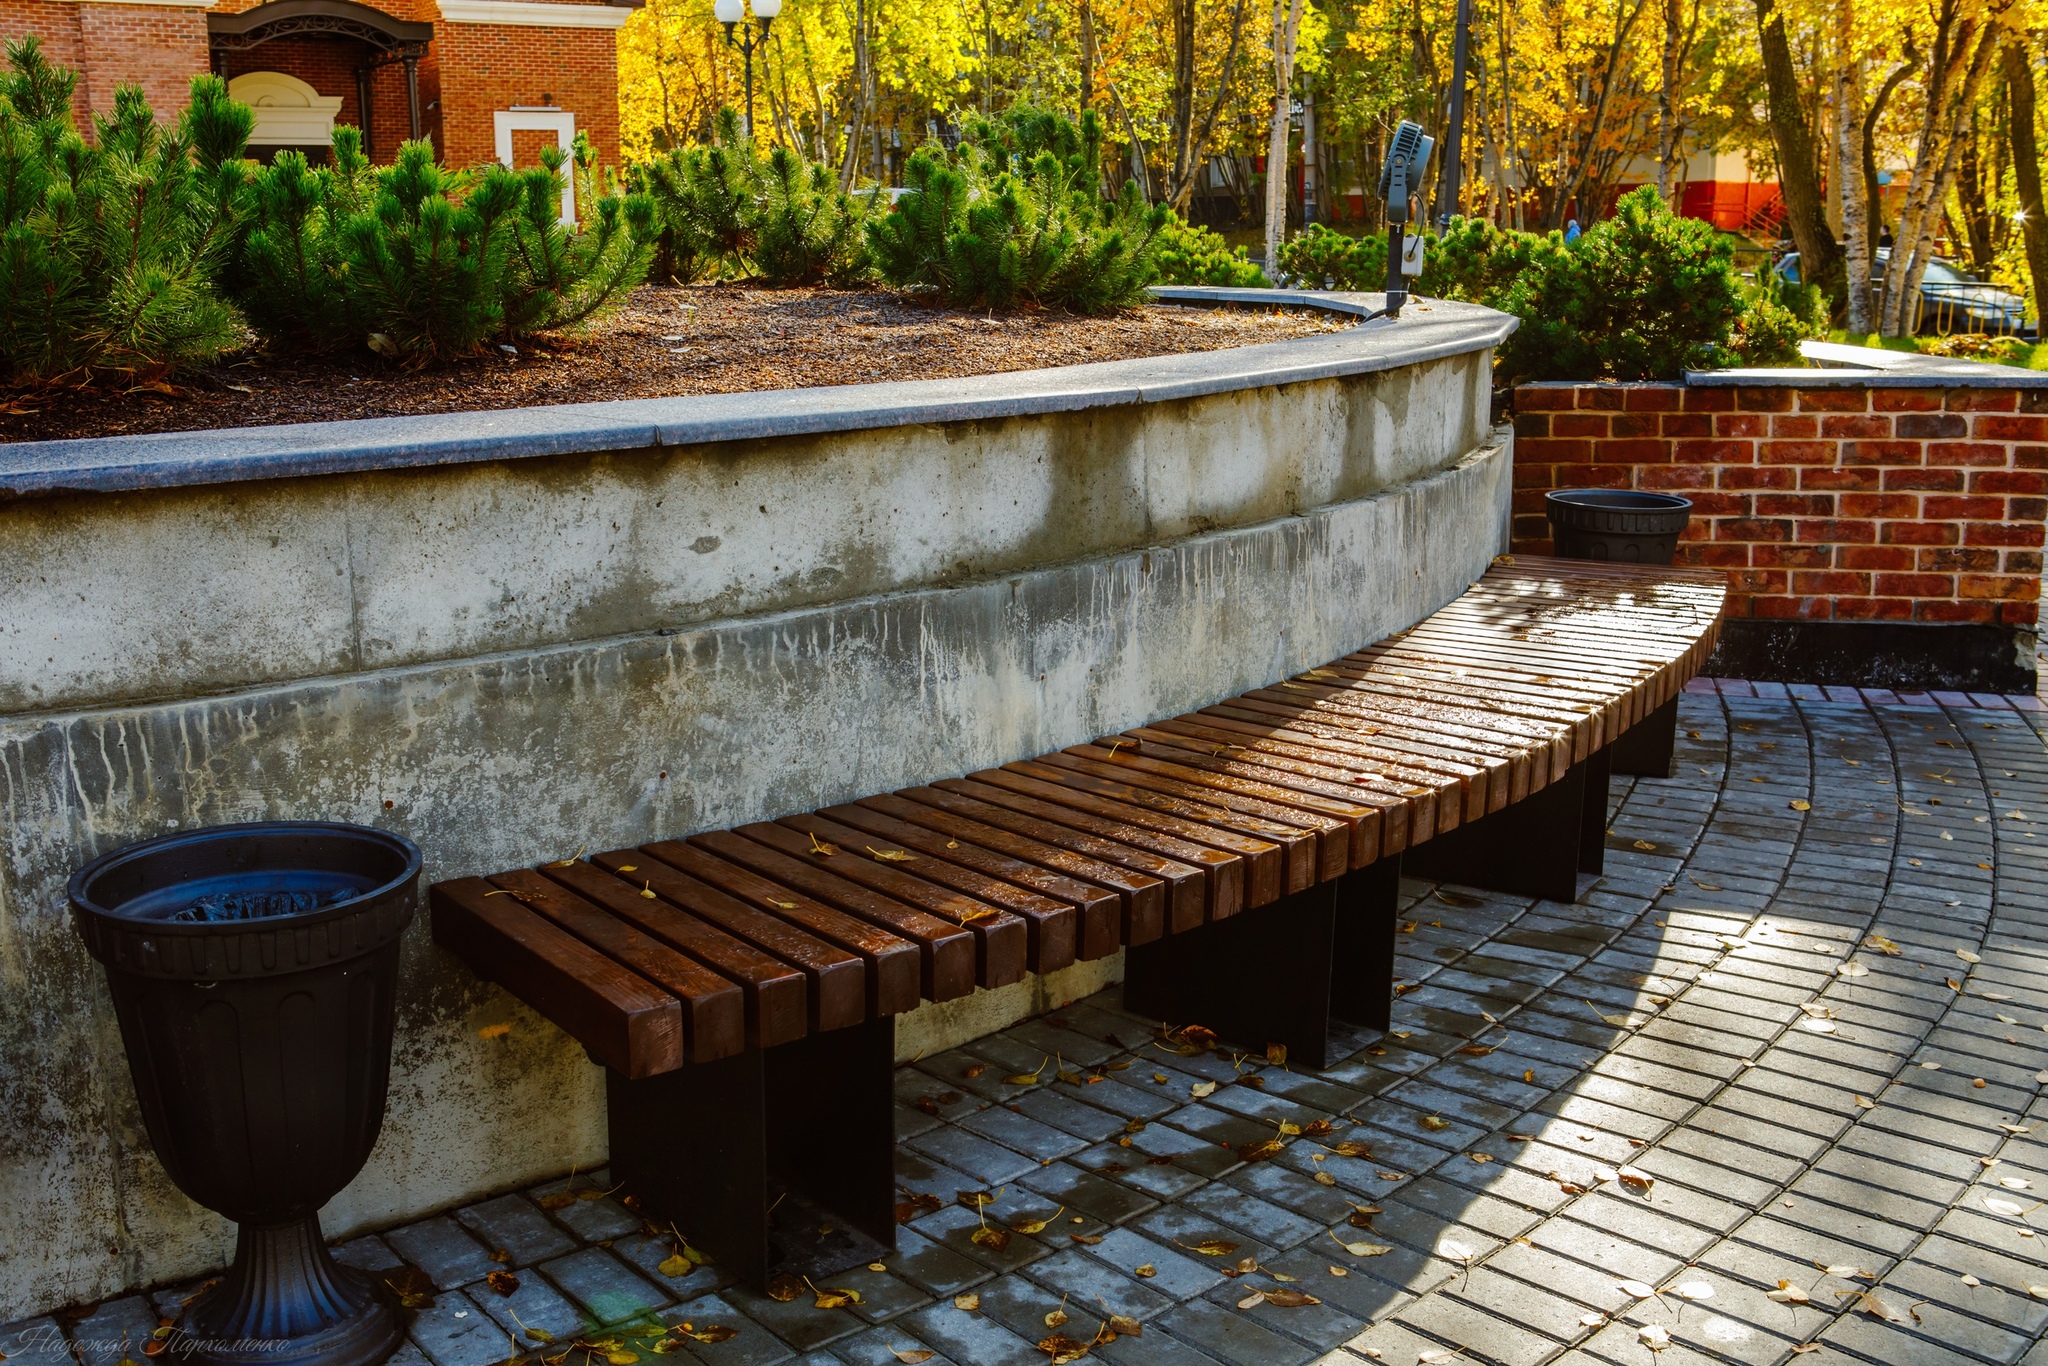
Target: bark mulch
666 341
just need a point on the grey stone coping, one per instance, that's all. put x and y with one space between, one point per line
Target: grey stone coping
1428 330
1841 367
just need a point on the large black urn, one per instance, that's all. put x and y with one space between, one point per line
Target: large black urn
254 971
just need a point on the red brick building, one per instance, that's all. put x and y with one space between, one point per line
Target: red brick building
484 79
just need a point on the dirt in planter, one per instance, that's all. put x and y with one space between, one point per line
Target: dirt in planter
667 341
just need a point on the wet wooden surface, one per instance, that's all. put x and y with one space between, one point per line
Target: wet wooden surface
696 948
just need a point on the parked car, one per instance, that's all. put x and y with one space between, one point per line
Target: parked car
1951 299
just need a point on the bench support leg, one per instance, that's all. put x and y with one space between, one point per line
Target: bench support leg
1531 848
1593 819
830 1126
1260 977
1362 971
692 1145
707 1148
1645 749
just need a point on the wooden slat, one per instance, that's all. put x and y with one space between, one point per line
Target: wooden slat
1189 897
1278 858
775 992
1053 924
1141 897
625 1021
1225 889
835 980
1042 861
1001 942
1236 782
894 964
946 952
1098 913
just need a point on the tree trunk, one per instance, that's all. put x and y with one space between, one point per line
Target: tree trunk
1087 54
863 90
1849 152
1943 172
1286 27
1820 259
1935 91
2026 165
1873 193
1667 103
1191 142
1568 182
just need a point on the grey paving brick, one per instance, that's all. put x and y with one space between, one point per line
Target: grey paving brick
605 1286
972 1337
443 1250
750 1344
453 1331
534 1304
515 1225
39 1340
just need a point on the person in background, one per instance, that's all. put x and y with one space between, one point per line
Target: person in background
1571 231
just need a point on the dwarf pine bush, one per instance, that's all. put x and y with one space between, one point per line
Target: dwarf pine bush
1192 255
108 249
557 278
422 263
1015 215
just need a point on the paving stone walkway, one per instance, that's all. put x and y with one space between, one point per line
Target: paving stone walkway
1767 1092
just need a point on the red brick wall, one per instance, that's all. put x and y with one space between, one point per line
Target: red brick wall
487 67
470 70
1847 504
158 47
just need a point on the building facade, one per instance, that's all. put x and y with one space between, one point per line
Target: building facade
483 79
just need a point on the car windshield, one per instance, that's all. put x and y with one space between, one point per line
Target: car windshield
1942 273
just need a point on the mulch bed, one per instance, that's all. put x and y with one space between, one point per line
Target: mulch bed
666 341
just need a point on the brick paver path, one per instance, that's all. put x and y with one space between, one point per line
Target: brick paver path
1790 1039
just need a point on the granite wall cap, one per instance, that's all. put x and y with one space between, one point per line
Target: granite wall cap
1839 366
1428 330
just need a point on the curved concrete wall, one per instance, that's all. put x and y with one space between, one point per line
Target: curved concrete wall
510 658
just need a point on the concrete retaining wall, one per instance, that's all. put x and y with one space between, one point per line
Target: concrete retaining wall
506 659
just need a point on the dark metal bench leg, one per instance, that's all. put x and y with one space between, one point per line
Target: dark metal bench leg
1645 749
1362 968
1260 977
1531 848
1593 819
830 1124
692 1145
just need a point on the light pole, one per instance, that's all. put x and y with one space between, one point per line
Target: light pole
731 13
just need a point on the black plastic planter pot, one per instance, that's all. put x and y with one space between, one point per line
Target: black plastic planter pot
1616 524
254 970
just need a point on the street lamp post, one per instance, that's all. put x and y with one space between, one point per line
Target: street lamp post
732 13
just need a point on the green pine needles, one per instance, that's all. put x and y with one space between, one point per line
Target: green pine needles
422 263
729 212
108 249
150 250
1015 215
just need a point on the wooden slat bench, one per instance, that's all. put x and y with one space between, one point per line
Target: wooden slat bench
740 986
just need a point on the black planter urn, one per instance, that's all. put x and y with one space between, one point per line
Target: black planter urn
1626 525
254 971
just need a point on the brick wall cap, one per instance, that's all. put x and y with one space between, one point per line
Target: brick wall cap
1435 330
1843 366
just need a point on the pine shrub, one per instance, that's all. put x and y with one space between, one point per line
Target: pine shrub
422 263
1015 215
708 202
1191 255
809 231
558 278
108 250
1642 295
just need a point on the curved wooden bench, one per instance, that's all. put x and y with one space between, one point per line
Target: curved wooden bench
740 986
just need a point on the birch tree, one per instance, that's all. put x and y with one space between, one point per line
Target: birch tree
1286 30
